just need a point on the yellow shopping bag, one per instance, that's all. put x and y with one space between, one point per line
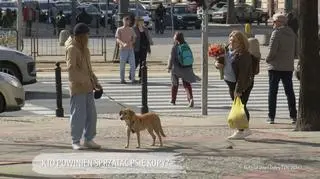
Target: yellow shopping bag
237 118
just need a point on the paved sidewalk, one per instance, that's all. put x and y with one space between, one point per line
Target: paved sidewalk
272 151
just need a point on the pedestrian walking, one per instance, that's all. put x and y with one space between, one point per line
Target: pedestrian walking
280 60
61 22
82 83
238 74
29 17
180 66
142 44
126 36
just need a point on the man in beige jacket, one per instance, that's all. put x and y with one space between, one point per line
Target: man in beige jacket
82 83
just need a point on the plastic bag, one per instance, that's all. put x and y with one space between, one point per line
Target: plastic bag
237 118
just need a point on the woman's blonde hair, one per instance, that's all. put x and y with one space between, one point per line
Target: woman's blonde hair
138 20
82 39
241 40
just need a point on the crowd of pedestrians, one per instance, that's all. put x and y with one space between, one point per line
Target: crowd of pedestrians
135 44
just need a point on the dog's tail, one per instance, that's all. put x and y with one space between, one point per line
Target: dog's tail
161 130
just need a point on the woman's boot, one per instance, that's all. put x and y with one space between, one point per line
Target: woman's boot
174 92
188 88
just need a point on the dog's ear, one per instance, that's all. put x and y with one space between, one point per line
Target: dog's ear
140 120
120 113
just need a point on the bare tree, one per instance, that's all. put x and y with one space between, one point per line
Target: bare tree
309 103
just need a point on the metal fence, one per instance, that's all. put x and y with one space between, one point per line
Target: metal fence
43 42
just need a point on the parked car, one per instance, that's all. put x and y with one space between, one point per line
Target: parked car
244 13
18 64
12 96
183 17
45 6
66 8
8 5
213 9
112 7
96 15
134 10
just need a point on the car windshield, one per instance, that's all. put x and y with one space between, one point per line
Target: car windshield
137 12
64 7
224 8
8 4
45 5
182 10
104 6
138 6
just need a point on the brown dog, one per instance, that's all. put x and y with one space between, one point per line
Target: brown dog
136 123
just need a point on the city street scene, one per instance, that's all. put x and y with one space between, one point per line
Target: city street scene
160 89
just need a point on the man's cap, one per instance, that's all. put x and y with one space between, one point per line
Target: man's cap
280 18
80 28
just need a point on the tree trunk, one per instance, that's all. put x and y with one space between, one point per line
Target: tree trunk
309 103
231 18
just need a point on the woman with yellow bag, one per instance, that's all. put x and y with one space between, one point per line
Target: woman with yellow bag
238 75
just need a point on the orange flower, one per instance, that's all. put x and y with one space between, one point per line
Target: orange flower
216 50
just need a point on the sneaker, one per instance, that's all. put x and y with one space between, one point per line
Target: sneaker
123 82
191 103
134 81
92 145
270 121
247 132
293 120
237 135
76 146
173 102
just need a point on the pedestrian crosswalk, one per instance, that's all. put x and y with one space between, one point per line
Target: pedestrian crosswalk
219 102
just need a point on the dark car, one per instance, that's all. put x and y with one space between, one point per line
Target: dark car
66 8
96 15
244 13
112 7
183 17
44 10
134 10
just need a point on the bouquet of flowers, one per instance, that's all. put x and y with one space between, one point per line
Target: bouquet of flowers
217 51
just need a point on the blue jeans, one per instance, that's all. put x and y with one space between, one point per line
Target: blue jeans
274 79
83 117
127 55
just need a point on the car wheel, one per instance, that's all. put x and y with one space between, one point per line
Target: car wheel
2 103
11 70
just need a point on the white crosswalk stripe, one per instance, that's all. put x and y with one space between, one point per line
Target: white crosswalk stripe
219 102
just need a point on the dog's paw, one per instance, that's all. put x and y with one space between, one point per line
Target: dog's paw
138 147
153 144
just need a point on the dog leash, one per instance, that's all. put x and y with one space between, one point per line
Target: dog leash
113 100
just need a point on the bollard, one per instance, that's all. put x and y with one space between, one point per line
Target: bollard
247 30
59 110
144 86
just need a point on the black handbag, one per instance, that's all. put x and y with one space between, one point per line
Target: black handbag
98 94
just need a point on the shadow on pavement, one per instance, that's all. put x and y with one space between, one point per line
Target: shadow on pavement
21 176
32 95
281 141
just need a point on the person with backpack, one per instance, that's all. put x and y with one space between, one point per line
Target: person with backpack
238 74
180 64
